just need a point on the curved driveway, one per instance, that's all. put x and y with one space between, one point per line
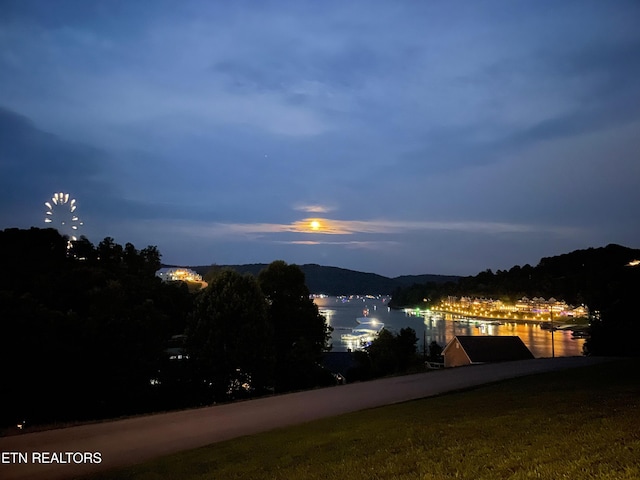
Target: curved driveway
130 441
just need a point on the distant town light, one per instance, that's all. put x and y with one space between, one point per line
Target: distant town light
178 274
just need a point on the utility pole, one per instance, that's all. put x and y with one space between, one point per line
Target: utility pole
553 345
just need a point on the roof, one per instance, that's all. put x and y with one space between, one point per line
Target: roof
481 349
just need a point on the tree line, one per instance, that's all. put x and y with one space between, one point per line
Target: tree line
605 279
89 331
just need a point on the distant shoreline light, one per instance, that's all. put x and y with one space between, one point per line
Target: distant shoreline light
178 274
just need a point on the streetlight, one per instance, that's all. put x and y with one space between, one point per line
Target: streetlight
553 350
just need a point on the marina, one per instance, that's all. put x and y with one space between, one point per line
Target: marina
343 313
362 335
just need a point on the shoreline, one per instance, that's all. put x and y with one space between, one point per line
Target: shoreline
556 322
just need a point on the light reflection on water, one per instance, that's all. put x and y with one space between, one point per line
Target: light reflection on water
341 314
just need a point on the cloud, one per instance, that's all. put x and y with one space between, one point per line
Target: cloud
314 208
367 227
203 124
366 245
34 164
32 154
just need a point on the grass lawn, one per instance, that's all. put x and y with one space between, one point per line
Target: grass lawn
577 424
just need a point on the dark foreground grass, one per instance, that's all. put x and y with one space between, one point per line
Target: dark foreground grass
577 424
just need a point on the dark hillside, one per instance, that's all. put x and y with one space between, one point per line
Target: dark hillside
340 281
408 280
605 279
595 276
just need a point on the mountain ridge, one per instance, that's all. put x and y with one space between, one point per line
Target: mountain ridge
329 280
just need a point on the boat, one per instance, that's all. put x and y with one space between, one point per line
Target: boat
580 334
357 336
367 330
365 320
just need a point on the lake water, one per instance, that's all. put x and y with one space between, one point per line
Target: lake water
341 314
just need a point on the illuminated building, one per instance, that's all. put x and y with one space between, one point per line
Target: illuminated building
178 274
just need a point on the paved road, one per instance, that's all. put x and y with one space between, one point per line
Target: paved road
134 440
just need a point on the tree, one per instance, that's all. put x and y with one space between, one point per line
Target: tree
82 249
383 355
406 348
110 253
435 352
301 334
67 311
150 259
610 335
392 353
229 336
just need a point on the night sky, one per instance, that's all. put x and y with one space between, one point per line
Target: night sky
394 137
